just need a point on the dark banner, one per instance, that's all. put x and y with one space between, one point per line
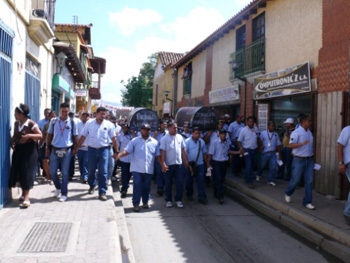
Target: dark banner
284 82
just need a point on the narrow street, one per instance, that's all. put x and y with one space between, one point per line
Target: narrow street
211 233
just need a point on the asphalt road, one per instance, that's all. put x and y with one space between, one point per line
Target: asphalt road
211 233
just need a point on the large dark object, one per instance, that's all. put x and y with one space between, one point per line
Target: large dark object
139 116
203 117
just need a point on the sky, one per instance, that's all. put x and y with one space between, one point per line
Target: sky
127 32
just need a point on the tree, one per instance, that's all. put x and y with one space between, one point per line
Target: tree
138 90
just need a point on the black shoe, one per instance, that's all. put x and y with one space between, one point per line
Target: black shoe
203 201
123 194
103 197
160 193
251 186
136 209
145 206
92 190
221 201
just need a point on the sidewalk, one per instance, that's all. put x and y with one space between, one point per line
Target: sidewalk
82 229
325 226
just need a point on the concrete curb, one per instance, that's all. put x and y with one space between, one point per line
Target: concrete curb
115 248
324 235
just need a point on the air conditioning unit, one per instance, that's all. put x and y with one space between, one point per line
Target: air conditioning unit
38 13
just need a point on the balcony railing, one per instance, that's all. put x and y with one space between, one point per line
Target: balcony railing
249 59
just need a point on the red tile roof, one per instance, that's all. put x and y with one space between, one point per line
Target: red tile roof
236 20
169 58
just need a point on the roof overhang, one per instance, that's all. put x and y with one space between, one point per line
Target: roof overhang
231 24
99 65
72 62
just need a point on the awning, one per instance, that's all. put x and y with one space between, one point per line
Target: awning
72 62
59 84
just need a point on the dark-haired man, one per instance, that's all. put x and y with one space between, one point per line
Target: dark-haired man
196 154
60 139
248 145
98 131
301 141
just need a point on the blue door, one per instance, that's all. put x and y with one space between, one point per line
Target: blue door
6 39
32 95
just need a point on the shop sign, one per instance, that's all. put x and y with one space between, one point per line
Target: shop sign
289 81
81 93
223 95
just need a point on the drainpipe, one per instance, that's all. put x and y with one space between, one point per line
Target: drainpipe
174 91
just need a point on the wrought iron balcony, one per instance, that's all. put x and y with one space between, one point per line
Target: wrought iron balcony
248 60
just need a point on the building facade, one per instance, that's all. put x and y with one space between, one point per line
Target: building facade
163 83
276 59
26 55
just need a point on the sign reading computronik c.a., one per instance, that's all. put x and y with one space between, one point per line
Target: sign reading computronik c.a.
289 81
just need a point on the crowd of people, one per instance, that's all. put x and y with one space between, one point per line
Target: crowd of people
171 157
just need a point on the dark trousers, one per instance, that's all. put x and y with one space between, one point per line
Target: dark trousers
218 175
175 172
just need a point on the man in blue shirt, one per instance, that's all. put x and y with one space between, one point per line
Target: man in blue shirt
61 136
42 122
173 156
41 125
98 132
270 145
301 141
233 132
248 145
142 151
196 154
123 140
344 163
218 157
158 135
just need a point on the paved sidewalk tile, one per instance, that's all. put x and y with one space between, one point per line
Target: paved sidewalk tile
94 235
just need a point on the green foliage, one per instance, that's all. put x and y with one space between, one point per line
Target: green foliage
138 90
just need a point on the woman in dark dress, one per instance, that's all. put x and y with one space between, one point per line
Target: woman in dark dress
25 152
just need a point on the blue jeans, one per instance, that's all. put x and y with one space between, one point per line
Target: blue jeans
200 178
250 162
287 159
98 158
64 164
302 167
142 188
83 162
125 176
271 159
160 176
347 205
110 163
218 175
177 172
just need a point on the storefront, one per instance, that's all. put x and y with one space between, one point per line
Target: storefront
283 94
225 101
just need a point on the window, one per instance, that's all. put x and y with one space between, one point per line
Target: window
187 77
259 27
32 87
240 38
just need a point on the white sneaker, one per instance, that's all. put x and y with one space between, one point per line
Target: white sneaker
63 198
169 204
310 206
57 193
179 204
287 198
271 184
257 178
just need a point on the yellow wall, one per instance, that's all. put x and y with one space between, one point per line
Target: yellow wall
165 82
293 33
198 75
222 50
70 38
180 82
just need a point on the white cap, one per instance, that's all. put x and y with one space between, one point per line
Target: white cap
289 120
227 115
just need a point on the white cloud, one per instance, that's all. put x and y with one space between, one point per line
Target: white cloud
179 36
129 19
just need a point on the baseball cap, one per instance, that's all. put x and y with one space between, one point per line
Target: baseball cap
289 120
146 126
